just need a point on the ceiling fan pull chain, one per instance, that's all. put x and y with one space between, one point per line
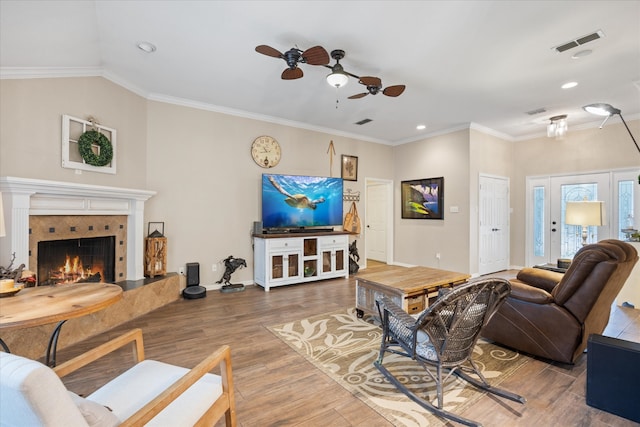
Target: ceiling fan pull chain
337 101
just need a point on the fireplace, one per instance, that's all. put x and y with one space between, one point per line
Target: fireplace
39 210
76 260
63 233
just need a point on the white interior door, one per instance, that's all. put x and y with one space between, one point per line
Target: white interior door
378 215
493 219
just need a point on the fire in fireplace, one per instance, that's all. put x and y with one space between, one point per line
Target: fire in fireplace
76 260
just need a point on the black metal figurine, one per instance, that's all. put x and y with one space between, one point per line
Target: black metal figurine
354 257
231 264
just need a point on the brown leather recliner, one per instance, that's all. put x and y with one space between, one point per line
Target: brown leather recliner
551 315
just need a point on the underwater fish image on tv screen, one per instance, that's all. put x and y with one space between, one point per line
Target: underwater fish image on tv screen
296 201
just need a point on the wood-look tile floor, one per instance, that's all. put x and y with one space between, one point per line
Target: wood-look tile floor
276 387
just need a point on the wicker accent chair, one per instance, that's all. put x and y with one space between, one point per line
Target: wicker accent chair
442 338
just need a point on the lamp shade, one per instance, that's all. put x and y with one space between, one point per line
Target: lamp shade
3 231
585 213
601 109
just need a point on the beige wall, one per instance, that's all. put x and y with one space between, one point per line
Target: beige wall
417 241
31 113
209 187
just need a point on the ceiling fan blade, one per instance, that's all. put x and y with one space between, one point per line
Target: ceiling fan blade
289 74
316 55
394 90
269 51
359 95
370 81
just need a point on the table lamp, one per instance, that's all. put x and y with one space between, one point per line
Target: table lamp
585 214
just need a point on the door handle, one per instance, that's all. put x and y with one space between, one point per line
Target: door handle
553 229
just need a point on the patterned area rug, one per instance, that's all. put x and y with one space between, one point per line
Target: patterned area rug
345 347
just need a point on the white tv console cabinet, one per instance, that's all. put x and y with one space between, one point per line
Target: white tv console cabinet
290 258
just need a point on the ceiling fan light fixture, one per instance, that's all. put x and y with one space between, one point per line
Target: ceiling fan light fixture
337 79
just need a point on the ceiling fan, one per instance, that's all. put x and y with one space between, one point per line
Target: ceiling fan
339 77
316 55
374 86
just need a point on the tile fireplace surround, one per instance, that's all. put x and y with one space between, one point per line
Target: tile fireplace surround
24 197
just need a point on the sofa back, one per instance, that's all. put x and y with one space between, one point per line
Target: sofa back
594 279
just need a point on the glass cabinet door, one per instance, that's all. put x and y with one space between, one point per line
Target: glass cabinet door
277 266
293 265
340 260
283 266
326 261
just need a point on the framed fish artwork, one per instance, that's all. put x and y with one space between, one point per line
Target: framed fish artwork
423 198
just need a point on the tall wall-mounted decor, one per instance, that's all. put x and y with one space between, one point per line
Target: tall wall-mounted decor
87 145
423 198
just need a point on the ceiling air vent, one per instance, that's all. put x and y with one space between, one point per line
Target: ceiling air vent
536 111
363 122
579 41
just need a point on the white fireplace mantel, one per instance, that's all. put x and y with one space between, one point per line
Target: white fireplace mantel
23 197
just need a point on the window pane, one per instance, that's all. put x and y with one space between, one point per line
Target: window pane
538 221
625 208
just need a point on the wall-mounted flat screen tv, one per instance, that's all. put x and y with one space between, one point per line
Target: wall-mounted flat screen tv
297 201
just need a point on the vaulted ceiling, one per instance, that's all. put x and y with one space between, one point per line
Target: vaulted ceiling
489 63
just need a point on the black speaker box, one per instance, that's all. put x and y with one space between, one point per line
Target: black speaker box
257 227
613 377
193 291
193 273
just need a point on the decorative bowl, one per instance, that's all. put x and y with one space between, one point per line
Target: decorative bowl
11 292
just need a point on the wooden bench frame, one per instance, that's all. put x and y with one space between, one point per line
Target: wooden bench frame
224 405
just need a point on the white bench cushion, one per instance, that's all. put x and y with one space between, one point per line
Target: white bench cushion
139 385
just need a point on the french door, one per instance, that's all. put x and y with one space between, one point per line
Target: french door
567 239
550 238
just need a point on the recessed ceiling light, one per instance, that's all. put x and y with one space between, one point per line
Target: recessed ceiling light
147 47
421 127
569 85
581 54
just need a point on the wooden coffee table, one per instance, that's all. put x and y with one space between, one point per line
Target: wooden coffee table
411 288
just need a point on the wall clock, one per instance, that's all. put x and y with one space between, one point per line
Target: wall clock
265 151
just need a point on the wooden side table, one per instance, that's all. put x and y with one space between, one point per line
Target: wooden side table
155 258
551 267
42 305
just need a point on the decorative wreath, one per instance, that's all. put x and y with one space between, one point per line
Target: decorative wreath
92 137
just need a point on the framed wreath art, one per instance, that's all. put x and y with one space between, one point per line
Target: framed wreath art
87 145
105 150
